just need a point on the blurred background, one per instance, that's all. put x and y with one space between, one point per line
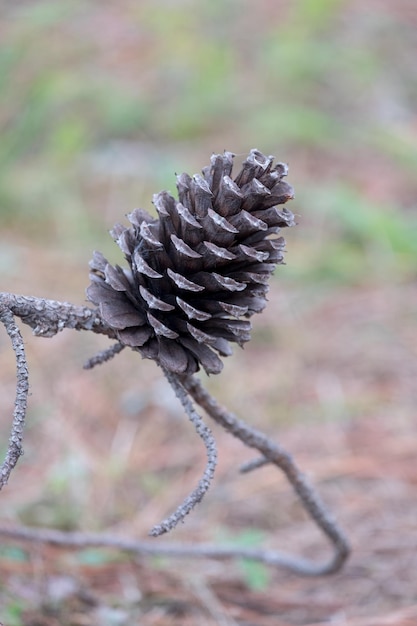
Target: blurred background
100 105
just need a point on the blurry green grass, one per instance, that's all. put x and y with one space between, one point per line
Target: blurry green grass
354 240
91 127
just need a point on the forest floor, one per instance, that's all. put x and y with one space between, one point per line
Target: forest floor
100 106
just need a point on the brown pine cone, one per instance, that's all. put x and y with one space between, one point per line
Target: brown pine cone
200 267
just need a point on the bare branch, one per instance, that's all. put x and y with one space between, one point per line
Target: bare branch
48 317
205 434
103 356
83 540
254 464
279 457
15 449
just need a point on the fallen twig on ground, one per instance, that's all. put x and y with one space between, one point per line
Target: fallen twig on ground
195 276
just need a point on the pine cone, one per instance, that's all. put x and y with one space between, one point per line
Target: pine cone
200 267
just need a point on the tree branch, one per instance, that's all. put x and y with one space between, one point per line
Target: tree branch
82 540
48 317
205 434
15 450
103 356
279 457
253 464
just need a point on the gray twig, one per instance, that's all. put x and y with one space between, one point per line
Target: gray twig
46 318
103 356
279 457
49 317
254 464
205 434
82 540
15 447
